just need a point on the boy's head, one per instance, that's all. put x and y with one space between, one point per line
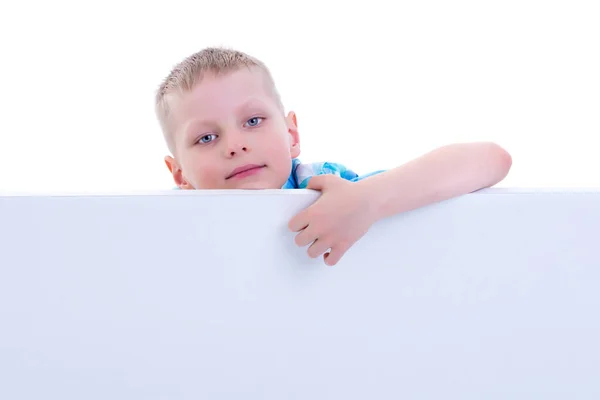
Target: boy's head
221 114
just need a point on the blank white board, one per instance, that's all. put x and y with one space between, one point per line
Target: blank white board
204 295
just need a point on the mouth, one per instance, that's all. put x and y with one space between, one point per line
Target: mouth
245 171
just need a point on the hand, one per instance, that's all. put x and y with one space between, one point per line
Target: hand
340 217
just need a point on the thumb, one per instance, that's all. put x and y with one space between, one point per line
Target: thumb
319 182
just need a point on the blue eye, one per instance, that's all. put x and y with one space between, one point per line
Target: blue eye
254 121
205 139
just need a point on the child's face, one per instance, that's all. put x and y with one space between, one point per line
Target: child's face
227 123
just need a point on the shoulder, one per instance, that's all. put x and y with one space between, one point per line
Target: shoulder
303 172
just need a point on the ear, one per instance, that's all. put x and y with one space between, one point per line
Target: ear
292 125
177 173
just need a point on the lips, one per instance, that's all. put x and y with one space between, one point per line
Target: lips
244 168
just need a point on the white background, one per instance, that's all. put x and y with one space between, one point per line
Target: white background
374 85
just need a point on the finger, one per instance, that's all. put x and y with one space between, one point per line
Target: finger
336 254
305 237
319 247
299 222
322 182
317 182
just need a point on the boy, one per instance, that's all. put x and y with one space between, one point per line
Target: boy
226 128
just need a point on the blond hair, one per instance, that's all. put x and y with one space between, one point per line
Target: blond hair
185 75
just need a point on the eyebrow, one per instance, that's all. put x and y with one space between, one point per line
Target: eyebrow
189 130
251 103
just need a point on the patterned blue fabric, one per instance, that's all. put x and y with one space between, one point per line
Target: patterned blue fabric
301 173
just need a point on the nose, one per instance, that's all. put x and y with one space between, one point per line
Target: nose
235 149
236 145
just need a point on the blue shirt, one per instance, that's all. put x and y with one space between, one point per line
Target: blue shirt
301 173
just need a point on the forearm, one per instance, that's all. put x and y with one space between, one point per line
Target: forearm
444 173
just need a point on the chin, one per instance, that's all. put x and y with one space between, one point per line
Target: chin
255 186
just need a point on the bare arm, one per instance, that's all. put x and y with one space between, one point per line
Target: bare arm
441 174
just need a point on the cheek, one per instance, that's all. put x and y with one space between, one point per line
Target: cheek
278 143
208 172
201 171
278 152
